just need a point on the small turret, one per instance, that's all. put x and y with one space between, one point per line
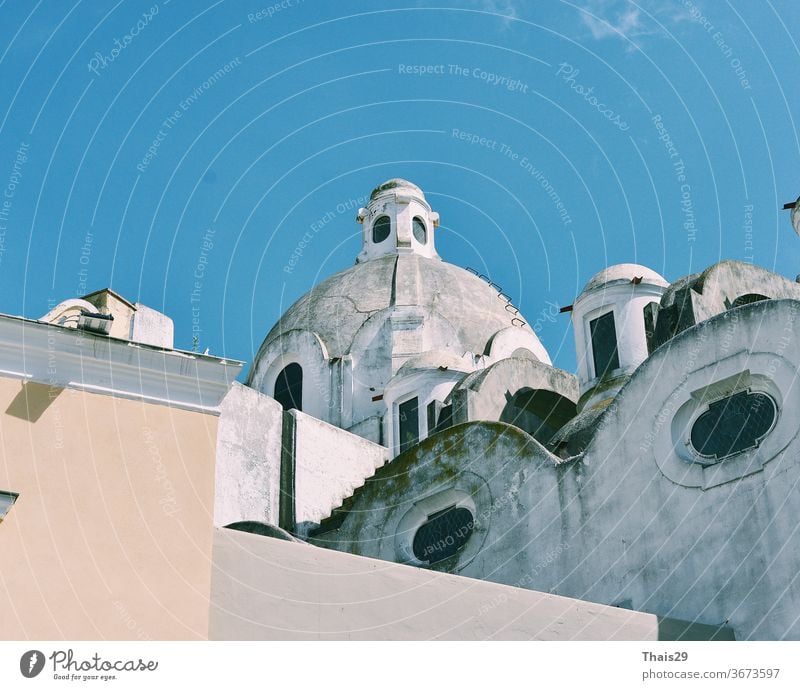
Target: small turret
608 320
397 220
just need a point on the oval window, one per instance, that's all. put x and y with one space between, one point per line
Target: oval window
733 424
419 230
443 534
380 229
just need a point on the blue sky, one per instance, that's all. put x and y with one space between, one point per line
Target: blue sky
142 140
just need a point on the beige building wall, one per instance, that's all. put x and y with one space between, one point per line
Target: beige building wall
111 534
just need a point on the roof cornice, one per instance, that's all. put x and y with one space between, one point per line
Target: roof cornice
72 358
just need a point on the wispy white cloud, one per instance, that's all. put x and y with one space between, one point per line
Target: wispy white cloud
631 21
506 8
626 24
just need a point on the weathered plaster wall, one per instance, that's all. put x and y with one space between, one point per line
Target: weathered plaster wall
700 296
726 549
266 589
111 534
329 463
248 471
485 394
371 429
306 349
622 525
151 327
490 463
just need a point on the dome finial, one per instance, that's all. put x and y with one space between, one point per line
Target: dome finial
395 184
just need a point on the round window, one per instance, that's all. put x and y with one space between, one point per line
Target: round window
732 425
419 230
443 534
380 229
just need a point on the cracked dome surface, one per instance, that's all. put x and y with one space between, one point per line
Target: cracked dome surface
338 307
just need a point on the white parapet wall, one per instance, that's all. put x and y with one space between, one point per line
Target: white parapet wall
152 327
248 458
329 465
268 589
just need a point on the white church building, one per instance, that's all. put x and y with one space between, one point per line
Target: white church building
403 436
660 477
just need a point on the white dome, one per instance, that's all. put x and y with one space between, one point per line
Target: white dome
337 308
625 273
399 307
396 185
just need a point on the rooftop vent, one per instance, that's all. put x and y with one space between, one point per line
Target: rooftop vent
95 322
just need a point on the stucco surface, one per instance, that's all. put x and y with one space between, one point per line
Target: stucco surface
266 589
338 307
624 273
628 522
248 458
697 297
726 551
488 391
111 534
151 327
329 464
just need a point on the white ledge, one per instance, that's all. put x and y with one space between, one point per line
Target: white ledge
71 358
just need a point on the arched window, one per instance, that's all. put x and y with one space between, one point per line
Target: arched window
443 534
419 230
747 299
289 387
380 229
732 424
